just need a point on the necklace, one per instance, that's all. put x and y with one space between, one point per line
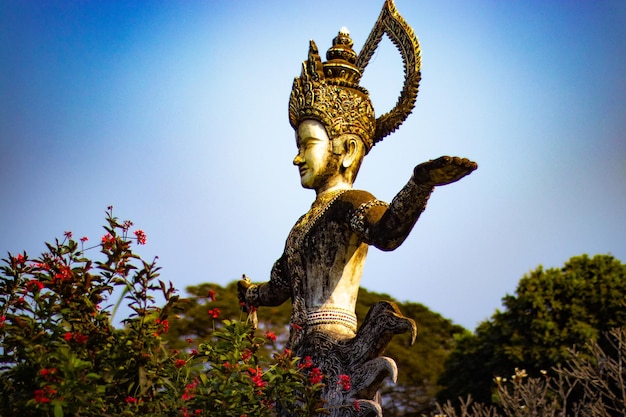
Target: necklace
310 218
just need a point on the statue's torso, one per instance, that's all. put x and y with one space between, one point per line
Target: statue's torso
321 267
325 259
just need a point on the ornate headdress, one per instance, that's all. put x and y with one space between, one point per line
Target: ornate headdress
330 92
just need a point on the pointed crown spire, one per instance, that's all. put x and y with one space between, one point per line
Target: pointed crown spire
330 92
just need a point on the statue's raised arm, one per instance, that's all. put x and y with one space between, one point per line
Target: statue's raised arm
322 263
386 226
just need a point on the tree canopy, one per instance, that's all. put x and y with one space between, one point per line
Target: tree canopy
552 310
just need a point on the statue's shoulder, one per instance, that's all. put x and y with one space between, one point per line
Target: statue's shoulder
355 198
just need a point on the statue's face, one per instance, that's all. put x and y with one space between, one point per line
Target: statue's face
318 166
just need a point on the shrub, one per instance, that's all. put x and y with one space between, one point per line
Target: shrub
61 355
587 385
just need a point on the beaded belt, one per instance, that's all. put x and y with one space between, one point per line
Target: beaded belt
332 316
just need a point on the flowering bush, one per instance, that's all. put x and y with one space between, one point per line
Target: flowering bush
61 355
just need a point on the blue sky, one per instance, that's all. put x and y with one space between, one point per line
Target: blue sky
175 113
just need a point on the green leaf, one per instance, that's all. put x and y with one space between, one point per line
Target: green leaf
58 410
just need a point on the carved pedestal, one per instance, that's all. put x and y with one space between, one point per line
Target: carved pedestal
355 368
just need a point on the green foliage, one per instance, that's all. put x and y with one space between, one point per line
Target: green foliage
233 357
60 355
551 311
419 365
196 311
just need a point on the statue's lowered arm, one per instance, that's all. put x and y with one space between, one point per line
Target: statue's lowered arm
271 293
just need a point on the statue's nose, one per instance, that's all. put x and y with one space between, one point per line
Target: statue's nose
298 159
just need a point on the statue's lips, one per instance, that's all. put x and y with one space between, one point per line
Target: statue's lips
302 171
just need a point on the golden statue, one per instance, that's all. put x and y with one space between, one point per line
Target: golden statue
321 267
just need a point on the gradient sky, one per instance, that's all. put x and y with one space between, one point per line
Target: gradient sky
175 113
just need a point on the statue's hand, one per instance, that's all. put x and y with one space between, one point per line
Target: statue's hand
443 170
242 289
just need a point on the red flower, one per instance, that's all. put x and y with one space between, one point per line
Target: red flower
48 374
107 241
211 295
180 363
20 259
189 340
80 338
68 235
190 389
246 354
43 395
76 337
344 382
164 326
308 363
2 320
214 312
270 336
141 237
64 274
315 375
257 377
40 396
130 400
84 239
33 286
39 265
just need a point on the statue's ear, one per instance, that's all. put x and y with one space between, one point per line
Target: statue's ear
351 151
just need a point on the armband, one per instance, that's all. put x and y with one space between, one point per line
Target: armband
357 220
